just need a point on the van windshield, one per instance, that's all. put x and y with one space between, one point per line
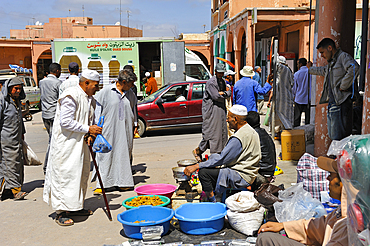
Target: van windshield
196 71
153 96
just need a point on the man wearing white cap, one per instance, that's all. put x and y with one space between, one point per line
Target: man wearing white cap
246 88
69 161
240 158
229 77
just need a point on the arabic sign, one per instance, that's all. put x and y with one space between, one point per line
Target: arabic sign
106 57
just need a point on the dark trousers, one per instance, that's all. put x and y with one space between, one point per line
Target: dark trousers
275 239
298 109
208 178
340 120
48 123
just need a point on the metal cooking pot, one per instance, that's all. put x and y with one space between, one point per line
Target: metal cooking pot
179 175
186 162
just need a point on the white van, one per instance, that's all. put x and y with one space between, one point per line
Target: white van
195 68
29 85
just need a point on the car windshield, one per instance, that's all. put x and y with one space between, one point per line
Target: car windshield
153 96
196 71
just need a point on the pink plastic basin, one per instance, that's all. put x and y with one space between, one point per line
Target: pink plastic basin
156 189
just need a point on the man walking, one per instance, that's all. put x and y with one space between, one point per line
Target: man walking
117 103
214 128
69 167
260 98
12 131
246 88
340 76
284 96
301 93
49 88
73 79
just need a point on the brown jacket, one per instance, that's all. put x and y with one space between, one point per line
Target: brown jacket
327 230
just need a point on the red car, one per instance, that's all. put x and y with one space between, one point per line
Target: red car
174 105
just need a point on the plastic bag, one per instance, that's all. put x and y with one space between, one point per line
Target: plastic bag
266 121
246 223
101 145
242 202
353 162
297 204
30 158
244 213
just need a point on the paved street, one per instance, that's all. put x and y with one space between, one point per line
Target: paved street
30 222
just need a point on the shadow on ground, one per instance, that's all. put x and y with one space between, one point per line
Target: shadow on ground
30 186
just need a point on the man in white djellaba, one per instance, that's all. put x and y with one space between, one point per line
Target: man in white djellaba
69 161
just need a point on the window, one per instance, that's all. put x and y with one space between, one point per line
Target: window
196 71
176 93
85 28
33 82
28 82
198 91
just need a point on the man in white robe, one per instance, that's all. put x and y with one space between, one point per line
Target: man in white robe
69 161
117 103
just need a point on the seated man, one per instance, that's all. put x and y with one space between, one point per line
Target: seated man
179 96
239 159
327 230
268 151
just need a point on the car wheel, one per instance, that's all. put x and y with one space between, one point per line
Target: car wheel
28 117
141 127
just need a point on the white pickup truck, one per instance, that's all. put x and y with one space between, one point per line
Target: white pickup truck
32 99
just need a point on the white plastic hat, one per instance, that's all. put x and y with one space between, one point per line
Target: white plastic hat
147 74
90 75
239 110
229 72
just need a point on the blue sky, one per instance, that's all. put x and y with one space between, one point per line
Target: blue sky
157 18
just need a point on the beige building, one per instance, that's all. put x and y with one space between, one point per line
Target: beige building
74 27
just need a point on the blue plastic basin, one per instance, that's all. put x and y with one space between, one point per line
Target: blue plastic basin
201 218
152 215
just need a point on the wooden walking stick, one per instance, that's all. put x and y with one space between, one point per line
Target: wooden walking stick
101 183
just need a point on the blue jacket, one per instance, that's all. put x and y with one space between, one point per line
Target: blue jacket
245 91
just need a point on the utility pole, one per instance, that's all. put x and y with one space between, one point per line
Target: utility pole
120 11
83 11
204 28
128 23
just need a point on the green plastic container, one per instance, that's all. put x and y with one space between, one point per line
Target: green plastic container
164 199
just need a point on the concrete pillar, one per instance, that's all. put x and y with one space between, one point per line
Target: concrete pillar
336 21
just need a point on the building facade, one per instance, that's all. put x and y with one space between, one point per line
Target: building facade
242 31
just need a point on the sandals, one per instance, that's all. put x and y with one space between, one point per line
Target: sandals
62 219
197 156
20 195
82 212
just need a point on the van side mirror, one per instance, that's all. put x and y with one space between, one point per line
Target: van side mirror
159 101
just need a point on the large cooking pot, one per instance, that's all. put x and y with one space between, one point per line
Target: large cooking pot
186 162
179 175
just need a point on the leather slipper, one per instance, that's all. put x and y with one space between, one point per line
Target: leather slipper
20 195
62 218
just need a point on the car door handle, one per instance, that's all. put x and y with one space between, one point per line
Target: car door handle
183 104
